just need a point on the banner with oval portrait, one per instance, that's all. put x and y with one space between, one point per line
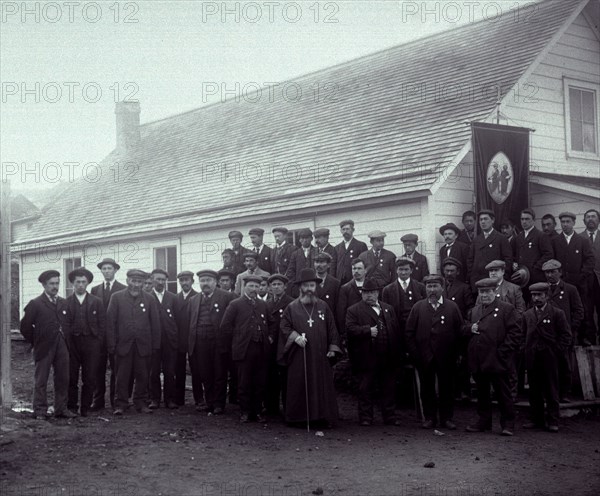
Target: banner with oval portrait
501 160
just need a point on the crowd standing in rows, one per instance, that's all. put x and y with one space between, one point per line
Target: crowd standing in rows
266 330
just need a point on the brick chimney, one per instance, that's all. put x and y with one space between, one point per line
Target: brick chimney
128 126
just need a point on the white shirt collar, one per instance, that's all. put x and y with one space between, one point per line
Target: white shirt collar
359 283
402 282
282 243
186 294
527 231
568 236
347 243
81 297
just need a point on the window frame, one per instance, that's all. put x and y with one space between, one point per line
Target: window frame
569 83
68 287
163 245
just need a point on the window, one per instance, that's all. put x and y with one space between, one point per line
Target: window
581 109
70 264
165 257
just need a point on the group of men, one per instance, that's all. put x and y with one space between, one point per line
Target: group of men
268 328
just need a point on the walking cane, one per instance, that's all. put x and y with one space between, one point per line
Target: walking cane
418 392
306 387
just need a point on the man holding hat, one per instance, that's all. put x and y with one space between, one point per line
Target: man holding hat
433 332
186 281
421 269
374 348
329 288
208 345
308 330
43 327
247 326
302 258
349 249
488 245
323 246
133 333
404 292
85 328
380 263
235 238
104 291
252 269
264 252
282 253
565 296
454 248
495 337
547 337
276 378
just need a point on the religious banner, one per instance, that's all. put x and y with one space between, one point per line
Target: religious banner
501 159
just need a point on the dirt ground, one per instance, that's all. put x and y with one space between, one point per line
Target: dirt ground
185 453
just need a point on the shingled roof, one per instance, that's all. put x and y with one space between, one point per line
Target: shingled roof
388 123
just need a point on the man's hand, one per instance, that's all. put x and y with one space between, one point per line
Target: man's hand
301 341
270 340
475 328
330 354
374 331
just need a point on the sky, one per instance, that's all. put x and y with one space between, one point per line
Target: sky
63 65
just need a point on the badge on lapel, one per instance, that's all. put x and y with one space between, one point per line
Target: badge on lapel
216 307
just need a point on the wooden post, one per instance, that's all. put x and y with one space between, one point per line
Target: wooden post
5 299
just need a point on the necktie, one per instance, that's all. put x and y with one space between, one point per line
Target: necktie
107 289
448 248
53 299
255 249
377 254
404 285
592 237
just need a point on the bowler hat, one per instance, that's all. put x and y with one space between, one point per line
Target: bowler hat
369 285
450 225
109 261
521 276
308 275
48 274
81 272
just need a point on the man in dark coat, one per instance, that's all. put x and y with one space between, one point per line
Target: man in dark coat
133 333
508 229
164 360
433 332
186 281
329 288
282 253
302 258
547 336
209 346
85 327
309 336
276 374
235 238
226 280
421 269
532 249
349 295
43 327
374 344
380 263
349 249
592 301
454 248
247 326
487 246
104 291
549 226
565 296
264 252
404 292
495 337
323 246
467 235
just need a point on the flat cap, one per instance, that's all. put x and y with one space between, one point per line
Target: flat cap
347 222
228 251
109 261
450 225
410 238
48 274
278 277
305 233
283 230
431 278
226 273
256 230
322 231
323 257
235 234
185 273
551 265
160 271
486 283
250 254
452 261
401 261
252 278
496 264
567 214
207 273
486 211
539 287
81 272
131 273
376 234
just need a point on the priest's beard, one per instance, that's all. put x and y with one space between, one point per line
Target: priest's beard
308 297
